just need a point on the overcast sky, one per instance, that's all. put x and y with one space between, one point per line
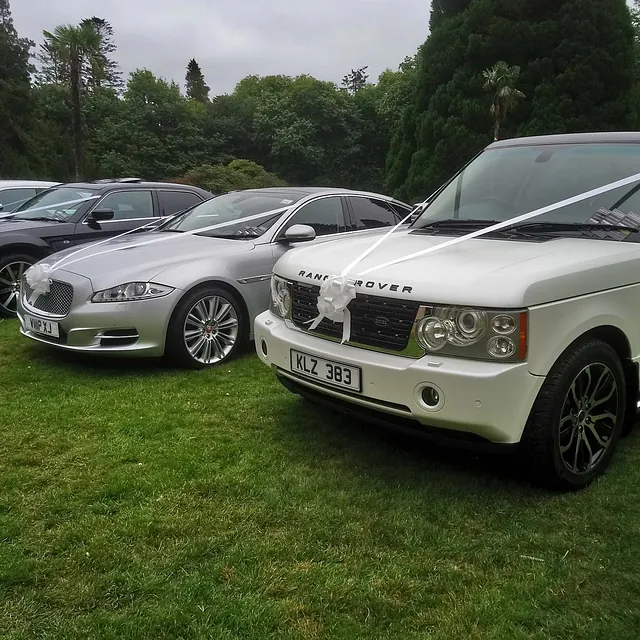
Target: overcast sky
235 38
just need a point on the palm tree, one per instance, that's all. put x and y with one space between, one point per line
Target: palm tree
501 80
75 47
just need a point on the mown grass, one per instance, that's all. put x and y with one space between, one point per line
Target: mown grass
137 501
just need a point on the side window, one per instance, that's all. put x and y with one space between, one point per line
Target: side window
129 204
11 199
173 201
371 214
324 215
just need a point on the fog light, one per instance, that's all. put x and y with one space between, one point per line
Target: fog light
263 346
430 397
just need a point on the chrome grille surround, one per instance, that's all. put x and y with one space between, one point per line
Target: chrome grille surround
55 304
395 336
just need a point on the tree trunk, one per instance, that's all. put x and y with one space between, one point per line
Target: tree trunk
496 131
76 116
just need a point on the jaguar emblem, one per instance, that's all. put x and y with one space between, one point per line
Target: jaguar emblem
381 321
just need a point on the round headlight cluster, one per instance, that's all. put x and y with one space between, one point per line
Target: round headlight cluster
503 324
501 347
432 333
467 326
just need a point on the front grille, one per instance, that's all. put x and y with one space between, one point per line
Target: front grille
383 323
57 302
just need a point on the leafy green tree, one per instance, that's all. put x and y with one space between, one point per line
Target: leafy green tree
356 80
154 133
75 47
577 62
197 88
15 98
238 174
501 80
101 71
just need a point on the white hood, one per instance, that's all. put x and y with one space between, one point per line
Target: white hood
479 272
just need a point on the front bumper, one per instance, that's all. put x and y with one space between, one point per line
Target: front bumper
131 329
485 402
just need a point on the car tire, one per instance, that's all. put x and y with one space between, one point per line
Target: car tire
573 429
16 264
207 327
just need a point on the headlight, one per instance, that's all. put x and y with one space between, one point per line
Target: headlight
472 333
132 291
280 303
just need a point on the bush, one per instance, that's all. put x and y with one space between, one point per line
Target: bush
238 174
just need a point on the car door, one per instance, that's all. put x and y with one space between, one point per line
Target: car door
131 209
172 202
12 198
371 213
327 215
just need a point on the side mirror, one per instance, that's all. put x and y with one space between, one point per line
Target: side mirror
299 233
100 215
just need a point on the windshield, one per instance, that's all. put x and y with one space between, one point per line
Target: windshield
55 204
501 184
244 207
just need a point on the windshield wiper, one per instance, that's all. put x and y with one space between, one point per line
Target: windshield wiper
552 227
38 219
456 223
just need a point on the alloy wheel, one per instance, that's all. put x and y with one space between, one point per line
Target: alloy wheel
588 418
10 276
211 329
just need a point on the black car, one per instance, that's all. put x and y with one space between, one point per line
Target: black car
77 213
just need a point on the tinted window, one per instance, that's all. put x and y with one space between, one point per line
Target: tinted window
244 214
11 199
371 214
174 201
55 204
129 204
325 216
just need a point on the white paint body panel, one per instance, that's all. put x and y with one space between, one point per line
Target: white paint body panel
569 286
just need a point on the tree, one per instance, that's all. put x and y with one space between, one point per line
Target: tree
15 97
101 70
355 80
196 87
75 47
238 174
501 80
577 61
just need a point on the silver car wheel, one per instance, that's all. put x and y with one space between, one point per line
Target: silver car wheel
211 329
10 276
588 418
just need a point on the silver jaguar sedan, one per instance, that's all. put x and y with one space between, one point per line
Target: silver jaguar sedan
192 287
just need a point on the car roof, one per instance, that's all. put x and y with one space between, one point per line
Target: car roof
606 137
116 185
303 192
26 183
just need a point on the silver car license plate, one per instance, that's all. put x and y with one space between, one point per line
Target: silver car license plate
327 371
44 327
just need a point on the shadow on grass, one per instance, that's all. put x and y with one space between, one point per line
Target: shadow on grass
397 458
99 365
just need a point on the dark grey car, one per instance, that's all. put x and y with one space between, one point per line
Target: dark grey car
191 293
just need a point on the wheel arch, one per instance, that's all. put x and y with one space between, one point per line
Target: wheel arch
24 248
227 287
619 342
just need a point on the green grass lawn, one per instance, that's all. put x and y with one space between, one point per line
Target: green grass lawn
137 501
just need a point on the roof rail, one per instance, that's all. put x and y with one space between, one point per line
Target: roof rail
110 180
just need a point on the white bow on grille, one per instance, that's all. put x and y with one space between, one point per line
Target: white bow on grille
37 278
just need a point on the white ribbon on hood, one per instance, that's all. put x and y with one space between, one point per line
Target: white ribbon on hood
337 292
39 275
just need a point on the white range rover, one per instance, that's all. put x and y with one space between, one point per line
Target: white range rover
525 338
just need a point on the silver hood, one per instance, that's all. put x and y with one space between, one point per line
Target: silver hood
129 262
482 272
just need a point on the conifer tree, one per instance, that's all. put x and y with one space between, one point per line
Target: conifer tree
196 87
